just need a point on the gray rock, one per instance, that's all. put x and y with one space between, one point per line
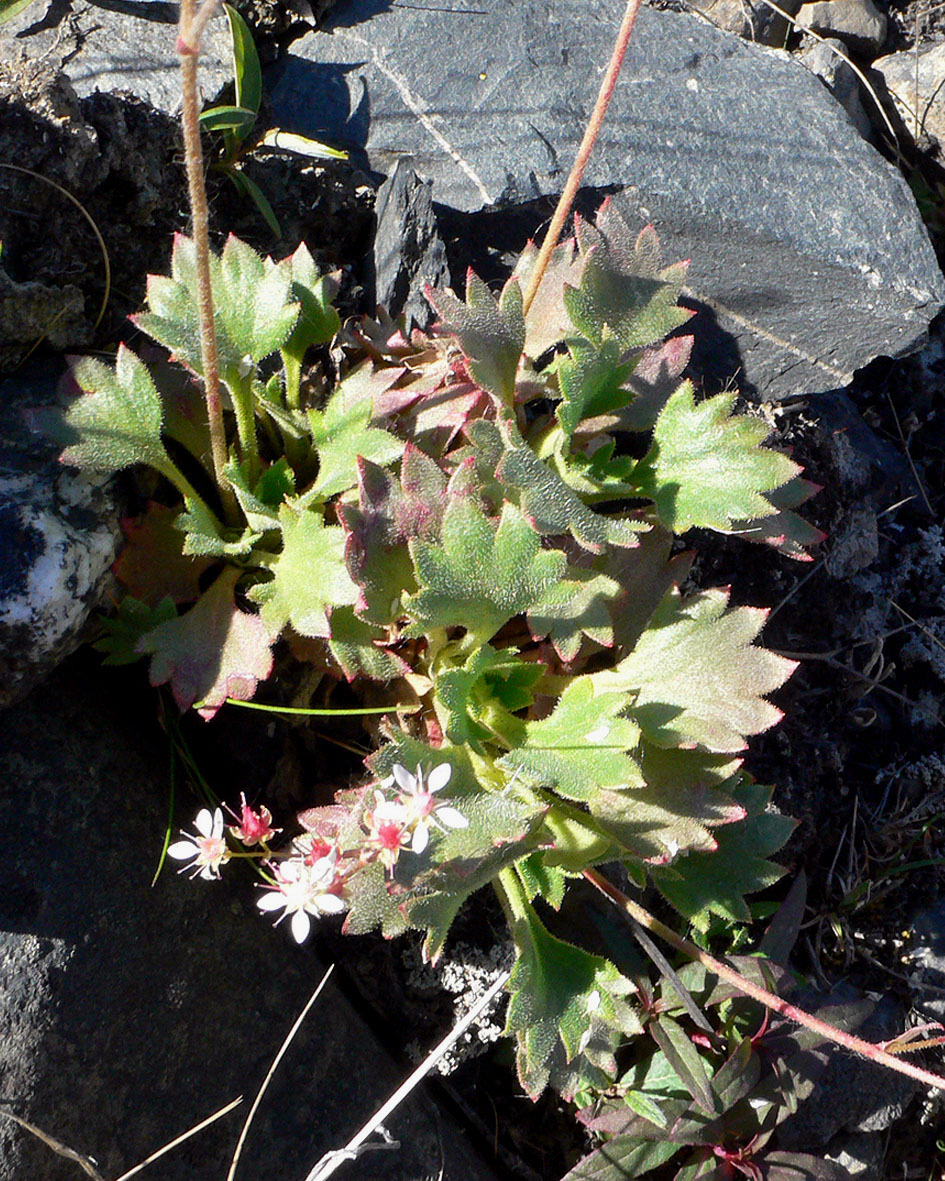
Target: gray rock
922 115
861 1154
408 250
125 46
926 959
851 1094
857 22
806 246
59 535
840 79
751 19
129 1013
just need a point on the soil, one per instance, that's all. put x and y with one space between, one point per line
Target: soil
858 758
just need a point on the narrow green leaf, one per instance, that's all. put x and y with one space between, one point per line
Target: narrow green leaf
225 118
247 72
246 185
621 1159
685 1060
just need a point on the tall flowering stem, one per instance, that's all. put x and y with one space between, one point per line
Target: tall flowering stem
591 133
775 1003
189 32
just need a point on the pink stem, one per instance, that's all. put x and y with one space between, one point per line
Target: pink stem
768 999
583 155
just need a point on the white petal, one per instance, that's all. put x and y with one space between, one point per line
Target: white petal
217 830
271 900
439 777
301 926
405 781
451 817
421 836
330 904
182 849
203 822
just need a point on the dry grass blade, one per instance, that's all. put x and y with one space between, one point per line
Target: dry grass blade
272 1070
106 261
334 1160
180 1139
57 1147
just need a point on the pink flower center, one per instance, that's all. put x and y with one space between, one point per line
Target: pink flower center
389 835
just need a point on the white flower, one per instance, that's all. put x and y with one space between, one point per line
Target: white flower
207 850
422 809
302 890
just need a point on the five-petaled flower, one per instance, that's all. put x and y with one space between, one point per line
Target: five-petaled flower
302 890
388 828
254 828
206 851
422 809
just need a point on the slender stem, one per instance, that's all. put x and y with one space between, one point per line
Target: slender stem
583 155
241 396
188 49
775 1003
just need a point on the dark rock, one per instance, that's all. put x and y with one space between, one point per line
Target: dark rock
840 79
851 1094
857 22
927 961
59 535
408 250
129 1012
861 1154
806 245
126 46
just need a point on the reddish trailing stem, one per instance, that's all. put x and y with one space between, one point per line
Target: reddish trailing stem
591 133
189 32
768 999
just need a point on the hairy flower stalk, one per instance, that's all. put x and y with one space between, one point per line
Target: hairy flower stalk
190 31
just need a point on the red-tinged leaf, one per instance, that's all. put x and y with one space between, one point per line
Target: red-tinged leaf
359 648
213 652
378 531
547 321
785 530
655 378
645 574
152 564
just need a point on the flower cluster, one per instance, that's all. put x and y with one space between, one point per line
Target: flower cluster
309 878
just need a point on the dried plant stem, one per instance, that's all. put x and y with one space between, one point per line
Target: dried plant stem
591 133
334 1160
189 31
775 1003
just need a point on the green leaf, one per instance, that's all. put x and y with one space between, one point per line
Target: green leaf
567 1009
261 504
247 73
475 701
592 382
704 884
784 530
707 467
696 676
342 435
204 537
124 629
247 187
318 320
578 605
117 421
547 321
541 880
550 505
359 648
621 1159
685 1060
11 8
213 652
675 808
224 118
490 332
581 747
309 577
480 577
253 308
